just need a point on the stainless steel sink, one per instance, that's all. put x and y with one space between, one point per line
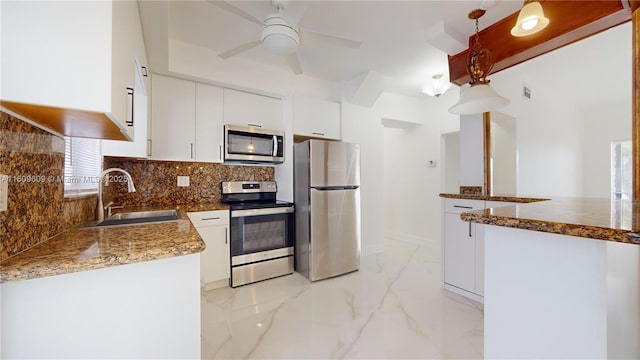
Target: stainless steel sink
139 217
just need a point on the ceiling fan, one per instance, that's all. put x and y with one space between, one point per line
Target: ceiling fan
279 36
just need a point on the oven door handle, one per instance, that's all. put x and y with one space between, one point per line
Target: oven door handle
259 212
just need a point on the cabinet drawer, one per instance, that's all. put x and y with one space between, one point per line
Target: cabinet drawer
457 206
209 218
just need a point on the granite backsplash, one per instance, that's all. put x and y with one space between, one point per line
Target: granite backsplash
156 181
33 160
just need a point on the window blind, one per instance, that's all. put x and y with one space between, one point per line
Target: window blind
82 164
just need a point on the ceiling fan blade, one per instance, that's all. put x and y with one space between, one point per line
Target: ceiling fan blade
235 10
294 63
318 38
238 49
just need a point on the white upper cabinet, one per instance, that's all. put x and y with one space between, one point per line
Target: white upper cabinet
209 126
139 146
77 55
246 109
316 118
186 120
173 114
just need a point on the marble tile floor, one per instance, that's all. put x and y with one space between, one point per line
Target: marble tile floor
392 308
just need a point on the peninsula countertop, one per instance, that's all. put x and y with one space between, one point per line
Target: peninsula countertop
504 198
594 218
86 248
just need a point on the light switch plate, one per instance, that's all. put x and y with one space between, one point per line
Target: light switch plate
4 192
183 181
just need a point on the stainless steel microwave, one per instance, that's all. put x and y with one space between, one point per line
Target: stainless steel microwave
252 144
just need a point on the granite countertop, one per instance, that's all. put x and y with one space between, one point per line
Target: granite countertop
505 198
604 219
86 248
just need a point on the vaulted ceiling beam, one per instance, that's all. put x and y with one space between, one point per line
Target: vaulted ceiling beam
570 21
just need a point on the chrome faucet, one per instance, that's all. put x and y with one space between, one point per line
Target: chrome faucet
100 208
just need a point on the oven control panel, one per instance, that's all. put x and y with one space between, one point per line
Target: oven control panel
239 187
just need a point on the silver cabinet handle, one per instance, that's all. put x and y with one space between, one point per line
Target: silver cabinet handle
462 207
255 125
226 235
318 133
211 218
191 150
220 152
470 229
149 146
130 120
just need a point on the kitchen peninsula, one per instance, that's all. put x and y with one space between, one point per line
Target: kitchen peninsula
561 279
131 291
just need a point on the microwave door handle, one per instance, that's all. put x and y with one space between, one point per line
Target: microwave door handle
275 145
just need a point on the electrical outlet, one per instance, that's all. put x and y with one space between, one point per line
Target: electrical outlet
4 192
183 181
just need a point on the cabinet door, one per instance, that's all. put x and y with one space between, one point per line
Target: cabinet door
246 109
215 259
57 53
459 253
316 118
125 24
173 106
209 126
139 146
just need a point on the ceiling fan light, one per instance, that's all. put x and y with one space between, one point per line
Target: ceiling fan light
478 99
531 19
278 37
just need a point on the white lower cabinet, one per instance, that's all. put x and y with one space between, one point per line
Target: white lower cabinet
463 249
213 227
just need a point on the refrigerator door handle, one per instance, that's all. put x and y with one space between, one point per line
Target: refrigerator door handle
328 188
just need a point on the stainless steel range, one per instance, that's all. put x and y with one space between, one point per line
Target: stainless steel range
262 231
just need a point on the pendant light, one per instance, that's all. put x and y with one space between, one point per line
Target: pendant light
480 97
531 19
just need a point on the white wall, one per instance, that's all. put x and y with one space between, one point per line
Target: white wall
471 150
451 162
504 150
411 202
581 96
600 125
623 300
360 125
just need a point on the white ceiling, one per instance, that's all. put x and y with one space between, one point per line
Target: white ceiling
392 34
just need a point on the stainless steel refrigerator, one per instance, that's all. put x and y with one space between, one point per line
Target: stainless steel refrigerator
327 198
